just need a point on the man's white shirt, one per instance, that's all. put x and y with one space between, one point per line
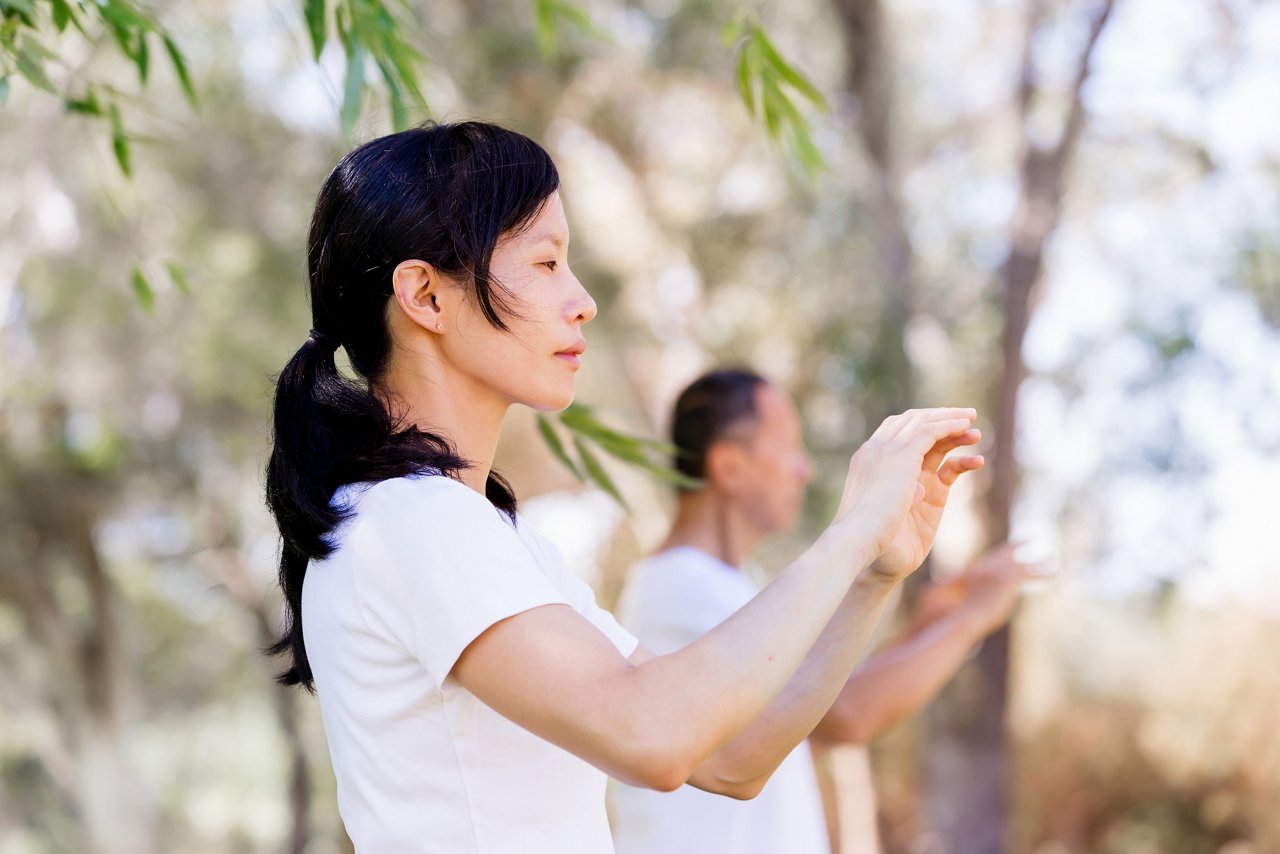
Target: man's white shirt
670 600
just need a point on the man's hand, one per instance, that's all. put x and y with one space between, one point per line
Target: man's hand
985 592
992 585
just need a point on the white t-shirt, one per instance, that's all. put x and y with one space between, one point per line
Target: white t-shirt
423 567
670 600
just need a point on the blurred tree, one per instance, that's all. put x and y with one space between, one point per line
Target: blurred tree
135 556
968 762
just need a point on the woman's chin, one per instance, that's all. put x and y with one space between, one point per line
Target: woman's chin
551 402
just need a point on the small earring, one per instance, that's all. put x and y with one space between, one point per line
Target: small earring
440 327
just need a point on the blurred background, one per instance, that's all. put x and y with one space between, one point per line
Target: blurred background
1066 213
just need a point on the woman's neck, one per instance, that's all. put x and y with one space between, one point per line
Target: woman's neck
443 402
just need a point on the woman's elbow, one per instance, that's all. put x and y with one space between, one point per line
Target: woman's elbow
654 763
743 791
660 772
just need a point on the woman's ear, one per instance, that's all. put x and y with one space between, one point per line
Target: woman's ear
421 293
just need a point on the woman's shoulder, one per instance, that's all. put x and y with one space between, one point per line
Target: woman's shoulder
442 497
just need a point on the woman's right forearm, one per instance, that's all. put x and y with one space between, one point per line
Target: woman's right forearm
703 695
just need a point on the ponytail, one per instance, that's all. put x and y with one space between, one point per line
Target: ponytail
328 432
414 194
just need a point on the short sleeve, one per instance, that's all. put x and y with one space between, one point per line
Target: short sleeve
437 565
580 595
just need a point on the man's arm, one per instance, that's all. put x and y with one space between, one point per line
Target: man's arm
898 681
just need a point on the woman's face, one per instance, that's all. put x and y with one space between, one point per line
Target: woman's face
535 361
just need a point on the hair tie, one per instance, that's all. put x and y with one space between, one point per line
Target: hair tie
321 339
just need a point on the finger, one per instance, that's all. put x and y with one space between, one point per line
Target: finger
889 427
946 413
897 424
1039 569
923 435
1003 559
953 467
939 451
912 417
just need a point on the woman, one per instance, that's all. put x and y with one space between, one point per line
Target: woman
472 692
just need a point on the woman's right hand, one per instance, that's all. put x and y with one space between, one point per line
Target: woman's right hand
898 484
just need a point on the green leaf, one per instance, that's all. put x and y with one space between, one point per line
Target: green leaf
119 142
746 86
578 17
31 66
142 56
810 158
125 16
787 112
785 70
557 447
732 31
180 68
62 14
314 10
632 451
142 290
37 49
399 115
178 277
21 7
354 90
580 420
545 27
774 103
403 60
88 105
596 471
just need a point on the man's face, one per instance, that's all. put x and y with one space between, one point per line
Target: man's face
770 486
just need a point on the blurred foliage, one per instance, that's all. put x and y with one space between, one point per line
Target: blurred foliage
30 36
371 33
769 86
137 559
374 34
646 454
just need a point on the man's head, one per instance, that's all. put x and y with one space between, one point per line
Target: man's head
741 436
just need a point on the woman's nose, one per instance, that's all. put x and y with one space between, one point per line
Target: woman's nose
582 306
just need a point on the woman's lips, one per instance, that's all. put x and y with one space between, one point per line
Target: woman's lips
571 358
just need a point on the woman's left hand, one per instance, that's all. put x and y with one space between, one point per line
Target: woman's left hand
915 537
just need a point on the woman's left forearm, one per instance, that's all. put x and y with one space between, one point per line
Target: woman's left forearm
740 768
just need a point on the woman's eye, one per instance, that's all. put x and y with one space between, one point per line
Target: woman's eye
550 265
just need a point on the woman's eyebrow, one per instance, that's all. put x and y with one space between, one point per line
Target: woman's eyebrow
557 238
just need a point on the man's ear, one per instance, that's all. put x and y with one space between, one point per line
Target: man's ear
422 293
725 464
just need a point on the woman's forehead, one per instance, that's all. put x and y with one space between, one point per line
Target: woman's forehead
550 224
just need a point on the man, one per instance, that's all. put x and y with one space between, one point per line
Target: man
741 437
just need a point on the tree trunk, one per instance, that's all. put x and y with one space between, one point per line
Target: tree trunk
869 79
51 534
967 804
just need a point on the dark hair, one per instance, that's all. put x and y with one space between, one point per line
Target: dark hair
442 193
706 411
